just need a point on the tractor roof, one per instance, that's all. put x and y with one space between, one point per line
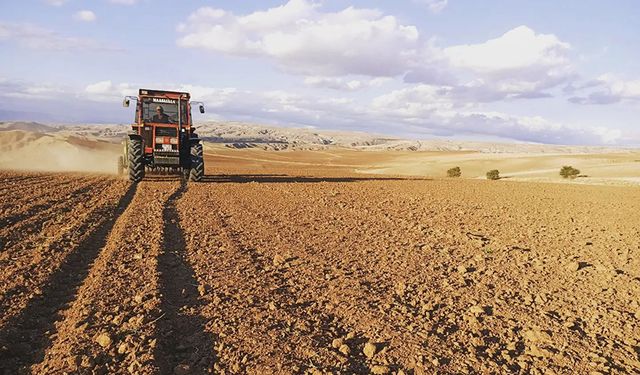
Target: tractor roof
163 93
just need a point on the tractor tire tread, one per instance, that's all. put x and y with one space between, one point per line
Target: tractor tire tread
136 160
196 172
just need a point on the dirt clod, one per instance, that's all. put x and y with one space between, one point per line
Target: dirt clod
369 350
336 343
380 370
476 309
202 290
278 260
104 340
123 348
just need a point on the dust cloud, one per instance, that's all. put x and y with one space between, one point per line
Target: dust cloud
55 153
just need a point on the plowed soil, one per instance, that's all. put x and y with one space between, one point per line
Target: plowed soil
289 267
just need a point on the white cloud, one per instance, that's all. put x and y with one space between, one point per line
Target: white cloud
532 129
606 89
435 6
25 90
622 88
419 101
107 91
85 16
124 2
436 111
518 49
344 83
56 3
301 39
34 37
419 111
520 63
101 88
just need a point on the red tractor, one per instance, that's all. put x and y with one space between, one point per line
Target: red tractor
162 138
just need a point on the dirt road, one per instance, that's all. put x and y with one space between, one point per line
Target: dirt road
290 269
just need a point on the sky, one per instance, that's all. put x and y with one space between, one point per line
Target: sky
544 71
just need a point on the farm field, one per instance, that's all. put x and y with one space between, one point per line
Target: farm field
288 265
308 187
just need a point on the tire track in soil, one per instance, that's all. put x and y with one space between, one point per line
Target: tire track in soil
45 207
21 195
11 179
29 260
33 195
111 325
185 346
9 182
264 321
50 198
24 339
9 186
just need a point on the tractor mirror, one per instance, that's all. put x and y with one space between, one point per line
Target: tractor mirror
125 103
201 108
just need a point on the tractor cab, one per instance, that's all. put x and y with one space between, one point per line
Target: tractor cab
163 130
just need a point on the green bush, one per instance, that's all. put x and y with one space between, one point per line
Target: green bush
569 172
454 172
493 174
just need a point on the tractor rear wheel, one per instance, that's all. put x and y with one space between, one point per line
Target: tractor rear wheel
136 162
196 172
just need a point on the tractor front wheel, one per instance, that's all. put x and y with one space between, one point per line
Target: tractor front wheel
136 162
196 172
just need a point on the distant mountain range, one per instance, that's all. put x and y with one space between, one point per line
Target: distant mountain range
246 135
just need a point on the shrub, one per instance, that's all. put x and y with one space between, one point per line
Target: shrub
454 172
569 172
493 174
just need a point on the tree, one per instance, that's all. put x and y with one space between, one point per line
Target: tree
569 172
454 172
493 174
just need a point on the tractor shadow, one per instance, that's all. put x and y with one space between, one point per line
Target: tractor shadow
182 338
283 178
275 178
24 340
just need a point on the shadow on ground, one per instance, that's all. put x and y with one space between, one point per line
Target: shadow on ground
278 178
25 338
185 346
275 178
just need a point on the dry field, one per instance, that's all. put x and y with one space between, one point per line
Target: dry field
287 264
621 168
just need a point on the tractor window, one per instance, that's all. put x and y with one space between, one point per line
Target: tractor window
161 110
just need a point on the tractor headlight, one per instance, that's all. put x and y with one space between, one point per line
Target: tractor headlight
159 140
173 141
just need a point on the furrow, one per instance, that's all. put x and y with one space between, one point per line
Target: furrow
44 207
31 317
262 320
111 325
28 259
184 346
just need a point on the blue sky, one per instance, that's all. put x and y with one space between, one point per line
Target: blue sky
531 71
